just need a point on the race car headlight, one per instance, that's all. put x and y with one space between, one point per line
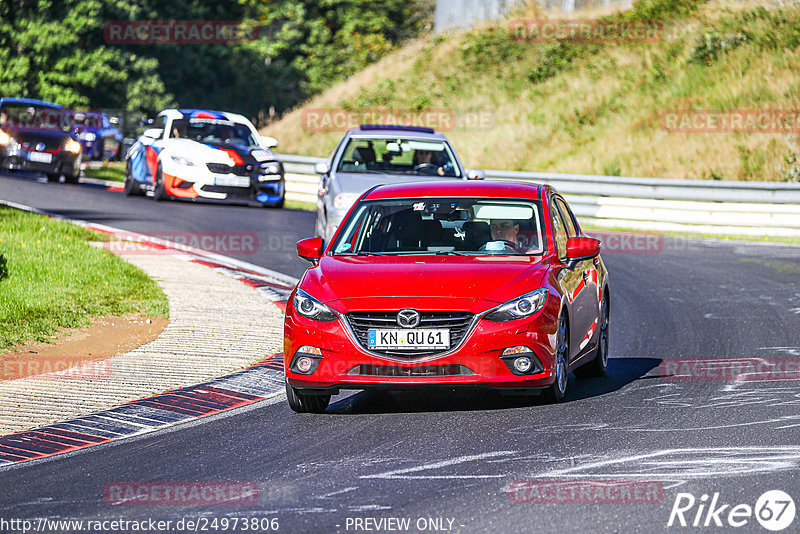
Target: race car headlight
88 136
311 308
344 200
72 146
183 161
520 307
4 138
271 168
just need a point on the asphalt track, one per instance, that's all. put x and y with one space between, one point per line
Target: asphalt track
453 457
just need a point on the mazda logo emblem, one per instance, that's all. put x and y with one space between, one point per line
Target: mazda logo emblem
40 147
408 318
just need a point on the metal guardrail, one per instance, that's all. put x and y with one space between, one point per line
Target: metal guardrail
661 204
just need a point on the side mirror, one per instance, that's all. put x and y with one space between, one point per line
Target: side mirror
321 168
310 249
269 142
476 174
582 248
153 133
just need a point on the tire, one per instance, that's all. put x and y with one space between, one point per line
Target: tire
53 177
72 178
557 391
159 193
598 365
131 187
301 403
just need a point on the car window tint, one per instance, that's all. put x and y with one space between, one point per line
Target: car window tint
567 216
559 231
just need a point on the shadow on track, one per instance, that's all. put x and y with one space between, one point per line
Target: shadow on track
621 372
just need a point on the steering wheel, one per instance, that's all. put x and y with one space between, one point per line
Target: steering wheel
423 166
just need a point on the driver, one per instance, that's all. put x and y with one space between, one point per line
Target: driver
504 230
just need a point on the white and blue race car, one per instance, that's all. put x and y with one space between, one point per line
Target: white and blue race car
205 155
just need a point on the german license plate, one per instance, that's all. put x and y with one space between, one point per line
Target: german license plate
409 338
232 181
40 157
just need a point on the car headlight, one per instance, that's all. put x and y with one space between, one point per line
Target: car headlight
344 200
271 168
89 136
520 307
183 161
311 308
72 146
4 138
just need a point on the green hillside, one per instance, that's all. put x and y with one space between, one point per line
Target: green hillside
591 107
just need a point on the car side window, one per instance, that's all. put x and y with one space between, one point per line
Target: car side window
559 232
566 215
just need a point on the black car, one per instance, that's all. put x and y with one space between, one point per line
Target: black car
35 136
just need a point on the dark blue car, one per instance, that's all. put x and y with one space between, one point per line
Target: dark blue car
98 134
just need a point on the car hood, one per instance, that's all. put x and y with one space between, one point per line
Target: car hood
356 182
214 154
478 282
29 137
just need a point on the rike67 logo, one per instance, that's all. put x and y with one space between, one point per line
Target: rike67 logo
774 510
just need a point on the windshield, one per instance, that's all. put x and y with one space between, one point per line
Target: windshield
213 131
482 226
33 116
399 156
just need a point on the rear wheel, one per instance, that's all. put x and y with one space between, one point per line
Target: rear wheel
302 403
72 178
159 193
599 364
53 177
558 389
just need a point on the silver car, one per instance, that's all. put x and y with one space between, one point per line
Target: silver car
381 154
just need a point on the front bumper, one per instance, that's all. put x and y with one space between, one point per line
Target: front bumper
477 361
17 159
201 184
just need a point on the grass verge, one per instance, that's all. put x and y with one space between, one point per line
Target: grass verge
53 278
112 171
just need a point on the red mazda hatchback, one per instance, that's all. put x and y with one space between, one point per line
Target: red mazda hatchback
488 284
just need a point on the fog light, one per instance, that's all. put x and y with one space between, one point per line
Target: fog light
521 360
304 364
306 360
523 364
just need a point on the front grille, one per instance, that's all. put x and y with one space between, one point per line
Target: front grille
457 322
222 168
232 192
416 372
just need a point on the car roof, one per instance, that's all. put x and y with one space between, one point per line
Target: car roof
382 131
32 101
203 114
496 189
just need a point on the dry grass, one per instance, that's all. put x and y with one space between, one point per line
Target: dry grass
600 114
